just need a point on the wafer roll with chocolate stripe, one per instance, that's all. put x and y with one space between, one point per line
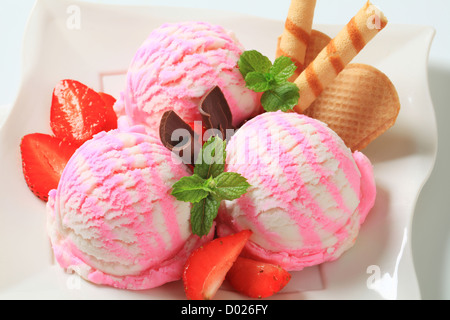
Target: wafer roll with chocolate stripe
338 53
297 30
317 41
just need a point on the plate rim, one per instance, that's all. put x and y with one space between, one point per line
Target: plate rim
39 3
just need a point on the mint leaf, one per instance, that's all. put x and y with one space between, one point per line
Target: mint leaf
203 214
283 97
283 68
212 158
230 186
257 81
209 185
191 189
273 79
251 61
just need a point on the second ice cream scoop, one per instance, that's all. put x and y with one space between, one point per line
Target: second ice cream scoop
309 195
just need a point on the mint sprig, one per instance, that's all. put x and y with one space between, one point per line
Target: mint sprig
203 215
209 185
191 189
211 161
229 186
262 76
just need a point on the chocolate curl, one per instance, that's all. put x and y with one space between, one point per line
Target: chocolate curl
321 72
216 113
177 136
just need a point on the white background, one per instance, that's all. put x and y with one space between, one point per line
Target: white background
431 233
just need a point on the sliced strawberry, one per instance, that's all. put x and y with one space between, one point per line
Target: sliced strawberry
43 160
111 116
78 112
206 267
200 131
257 279
109 99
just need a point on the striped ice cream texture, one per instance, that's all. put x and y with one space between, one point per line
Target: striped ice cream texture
112 219
176 67
309 193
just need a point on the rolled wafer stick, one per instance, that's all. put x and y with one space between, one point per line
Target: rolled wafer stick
317 41
338 53
297 30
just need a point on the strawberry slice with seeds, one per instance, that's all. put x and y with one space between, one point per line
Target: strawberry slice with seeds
206 267
257 279
43 160
78 112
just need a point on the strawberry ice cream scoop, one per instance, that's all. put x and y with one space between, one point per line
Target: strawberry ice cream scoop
309 195
112 219
176 66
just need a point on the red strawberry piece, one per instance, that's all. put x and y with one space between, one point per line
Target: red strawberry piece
257 279
43 160
206 267
199 130
109 99
78 112
111 116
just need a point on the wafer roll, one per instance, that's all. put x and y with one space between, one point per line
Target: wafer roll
317 41
297 30
338 53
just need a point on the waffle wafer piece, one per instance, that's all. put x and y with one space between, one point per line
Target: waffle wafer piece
338 53
296 34
360 105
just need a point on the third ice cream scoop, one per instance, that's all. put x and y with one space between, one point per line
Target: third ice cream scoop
309 193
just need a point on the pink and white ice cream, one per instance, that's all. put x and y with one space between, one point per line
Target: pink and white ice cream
112 219
176 66
309 193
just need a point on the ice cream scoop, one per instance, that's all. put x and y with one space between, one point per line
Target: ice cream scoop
176 67
112 219
309 195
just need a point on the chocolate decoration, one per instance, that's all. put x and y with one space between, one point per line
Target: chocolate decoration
177 136
216 113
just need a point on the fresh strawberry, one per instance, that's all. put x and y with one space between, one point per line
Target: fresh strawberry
199 131
257 279
206 267
111 116
78 112
43 160
109 99
199 134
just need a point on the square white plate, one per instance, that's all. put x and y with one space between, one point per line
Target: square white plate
95 43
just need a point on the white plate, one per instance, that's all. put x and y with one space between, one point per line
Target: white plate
97 48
